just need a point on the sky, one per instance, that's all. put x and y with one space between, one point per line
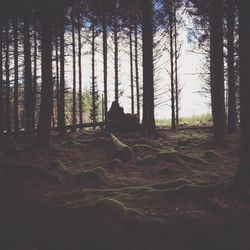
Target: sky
190 65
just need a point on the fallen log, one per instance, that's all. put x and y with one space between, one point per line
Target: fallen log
124 152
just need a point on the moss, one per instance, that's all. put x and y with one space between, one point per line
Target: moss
171 184
144 147
108 208
169 156
146 161
211 154
100 171
92 177
116 163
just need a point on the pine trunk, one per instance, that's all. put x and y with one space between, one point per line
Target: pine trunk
217 59
35 74
7 92
28 93
1 81
172 55
137 74
105 63
176 71
16 68
79 26
93 75
244 169
232 113
61 121
74 73
131 70
44 123
116 63
148 76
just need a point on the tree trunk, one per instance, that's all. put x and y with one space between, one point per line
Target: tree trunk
74 72
16 68
28 93
148 79
80 68
61 121
116 62
232 113
131 70
35 73
171 21
176 71
44 123
244 169
217 73
137 74
57 80
93 75
1 81
7 69
105 63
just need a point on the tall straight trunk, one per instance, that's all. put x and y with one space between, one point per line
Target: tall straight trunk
61 121
217 83
137 74
93 75
28 93
232 113
35 73
79 26
131 70
176 71
105 63
16 68
57 80
244 169
172 55
44 123
7 70
74 72
148 67
1 80
116 62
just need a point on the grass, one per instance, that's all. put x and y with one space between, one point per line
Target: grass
201 120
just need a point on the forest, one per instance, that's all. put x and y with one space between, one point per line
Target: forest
86 162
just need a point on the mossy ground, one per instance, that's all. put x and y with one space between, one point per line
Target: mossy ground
171 195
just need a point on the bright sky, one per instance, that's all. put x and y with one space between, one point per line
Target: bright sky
190 64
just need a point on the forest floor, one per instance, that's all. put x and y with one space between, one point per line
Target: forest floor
174 194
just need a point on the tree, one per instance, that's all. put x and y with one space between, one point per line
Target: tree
7 73
105 60
172 60
244 32
61 116
28 93
131 69
116 59
80 68
16 67
44 123
148 75
217 69
74 70
232 112
137 74
1 80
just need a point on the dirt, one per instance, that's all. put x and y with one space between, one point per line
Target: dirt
175 193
